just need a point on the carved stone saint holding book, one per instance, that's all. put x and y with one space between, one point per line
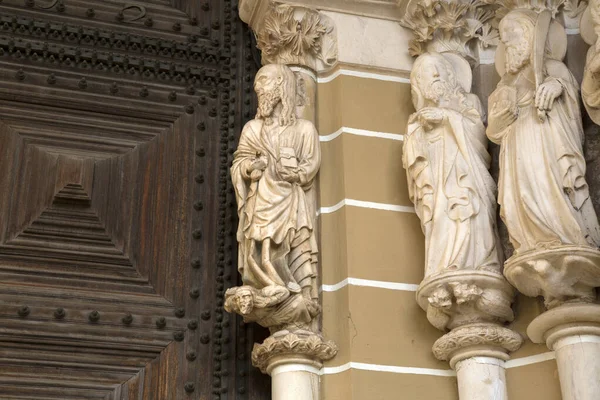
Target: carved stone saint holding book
273 172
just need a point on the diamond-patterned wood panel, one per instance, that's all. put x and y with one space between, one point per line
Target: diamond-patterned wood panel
118 121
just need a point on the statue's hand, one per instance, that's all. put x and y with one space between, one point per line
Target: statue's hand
429 116
546 93
256 174
259 164
256 168
502 114
288 174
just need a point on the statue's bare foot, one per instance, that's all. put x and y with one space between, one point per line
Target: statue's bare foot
313 308
281 333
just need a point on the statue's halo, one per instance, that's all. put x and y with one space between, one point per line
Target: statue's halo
557 37
462 70
586 27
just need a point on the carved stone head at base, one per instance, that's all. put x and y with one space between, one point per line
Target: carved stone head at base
273 307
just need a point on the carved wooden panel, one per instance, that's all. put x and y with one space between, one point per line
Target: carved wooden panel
117 127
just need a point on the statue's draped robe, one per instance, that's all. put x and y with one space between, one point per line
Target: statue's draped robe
273 208
289 314
453 192
543 194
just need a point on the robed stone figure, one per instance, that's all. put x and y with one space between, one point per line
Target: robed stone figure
446 160
534 115
273 173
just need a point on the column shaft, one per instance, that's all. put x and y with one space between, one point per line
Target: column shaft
295 382
578 359
481 378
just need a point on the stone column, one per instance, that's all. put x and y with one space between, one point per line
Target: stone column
556 243
294 39
573 332
464 291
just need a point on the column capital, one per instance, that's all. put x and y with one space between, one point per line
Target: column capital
283 348
292 35
476 340
450 26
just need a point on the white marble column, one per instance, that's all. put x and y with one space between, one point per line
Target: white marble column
481 378
294 379
573 332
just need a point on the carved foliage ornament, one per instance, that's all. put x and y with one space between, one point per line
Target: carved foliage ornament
292 343
571 6
449 25
287 40
476 335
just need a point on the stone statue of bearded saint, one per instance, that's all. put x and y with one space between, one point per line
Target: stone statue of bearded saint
273 173
446 160
535 117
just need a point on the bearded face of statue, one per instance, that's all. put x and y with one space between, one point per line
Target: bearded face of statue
518 44
245 302
434 80
268 90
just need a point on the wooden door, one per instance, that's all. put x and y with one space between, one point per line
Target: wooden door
118 122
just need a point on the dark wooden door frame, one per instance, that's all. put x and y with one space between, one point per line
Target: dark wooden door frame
118 123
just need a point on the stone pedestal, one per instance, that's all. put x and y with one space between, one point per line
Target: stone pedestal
572 330
473 305
293 360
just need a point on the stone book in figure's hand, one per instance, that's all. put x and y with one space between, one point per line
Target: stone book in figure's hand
287 157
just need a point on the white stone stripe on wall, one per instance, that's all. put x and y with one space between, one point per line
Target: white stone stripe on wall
366 204
362 74
360 132
387 368
518 362
407 287
522 361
